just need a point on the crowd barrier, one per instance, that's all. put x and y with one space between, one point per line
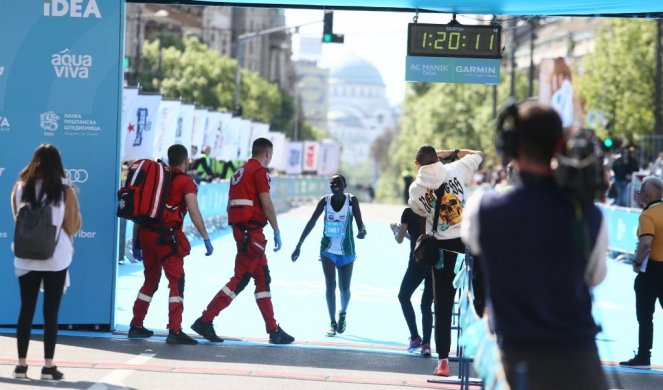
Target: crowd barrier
286 191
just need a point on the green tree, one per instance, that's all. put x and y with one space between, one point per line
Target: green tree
202 76
618 78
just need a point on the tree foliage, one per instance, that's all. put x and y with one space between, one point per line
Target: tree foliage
192 72
618 77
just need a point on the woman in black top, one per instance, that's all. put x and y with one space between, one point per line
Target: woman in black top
412 226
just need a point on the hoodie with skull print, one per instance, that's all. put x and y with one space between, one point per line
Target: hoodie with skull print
451 178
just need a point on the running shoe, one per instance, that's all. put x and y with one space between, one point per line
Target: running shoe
442 368
51 373
279 336
139 332
638 361
180 338
206 329
414 344
21 372
332 331
341 322
425 350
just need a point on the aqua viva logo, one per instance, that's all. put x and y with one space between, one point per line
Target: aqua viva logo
71 66
72 8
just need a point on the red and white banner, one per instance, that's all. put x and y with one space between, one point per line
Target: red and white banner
311 152
141 126
128 101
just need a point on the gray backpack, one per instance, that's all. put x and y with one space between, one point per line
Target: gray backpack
34 234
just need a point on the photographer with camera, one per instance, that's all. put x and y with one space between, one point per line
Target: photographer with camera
542 245
447 182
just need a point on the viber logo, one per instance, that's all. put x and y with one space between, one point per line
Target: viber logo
83 234
72 8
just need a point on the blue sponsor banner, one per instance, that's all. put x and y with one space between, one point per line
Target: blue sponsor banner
453 70
61 83
622 227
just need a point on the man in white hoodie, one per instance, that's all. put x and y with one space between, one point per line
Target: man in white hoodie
447 181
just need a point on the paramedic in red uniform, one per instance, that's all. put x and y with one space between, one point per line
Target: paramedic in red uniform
250 207
164 247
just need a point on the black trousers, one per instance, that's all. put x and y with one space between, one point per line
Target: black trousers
413 277
648 288
53 289
563 369
444 294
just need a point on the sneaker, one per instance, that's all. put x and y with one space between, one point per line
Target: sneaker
332 331
21 372
206 329
442 368
425 350
279 336
139 332
51 373
179 338
414 344
341 322
638 361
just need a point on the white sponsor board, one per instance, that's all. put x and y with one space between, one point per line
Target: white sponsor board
245 140
259 130
280 152
164 136
329 157
185 126
231 138
294 157
142 124
218 150
213 131
198 130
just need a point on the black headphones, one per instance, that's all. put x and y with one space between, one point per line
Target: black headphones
506 142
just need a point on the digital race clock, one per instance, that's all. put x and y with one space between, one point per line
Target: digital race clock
454 40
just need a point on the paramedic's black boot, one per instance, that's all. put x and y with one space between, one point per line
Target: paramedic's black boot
206 329
136 332
179 338
279 336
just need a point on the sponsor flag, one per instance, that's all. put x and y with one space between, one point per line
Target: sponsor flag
280 152
311 149
185 126
330 157
245 140
128 101
213 131
294 157
164 136
218 148
231 131
259 130
143 116
198 131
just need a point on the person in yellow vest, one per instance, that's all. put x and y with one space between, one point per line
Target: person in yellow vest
203 165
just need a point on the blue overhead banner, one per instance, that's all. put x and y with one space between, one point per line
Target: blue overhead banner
61 83
453 70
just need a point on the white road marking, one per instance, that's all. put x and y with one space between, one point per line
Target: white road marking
115 378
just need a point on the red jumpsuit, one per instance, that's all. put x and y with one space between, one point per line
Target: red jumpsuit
160 253
247 219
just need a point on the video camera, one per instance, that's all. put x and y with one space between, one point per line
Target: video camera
451 158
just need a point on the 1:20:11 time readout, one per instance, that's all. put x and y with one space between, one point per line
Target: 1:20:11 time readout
443 40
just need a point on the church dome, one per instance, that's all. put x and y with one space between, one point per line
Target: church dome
357 71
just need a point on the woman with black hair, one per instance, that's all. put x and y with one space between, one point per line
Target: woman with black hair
337 249
43 181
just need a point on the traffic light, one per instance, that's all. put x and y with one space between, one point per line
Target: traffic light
328 35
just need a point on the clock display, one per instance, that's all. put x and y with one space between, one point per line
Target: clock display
454 40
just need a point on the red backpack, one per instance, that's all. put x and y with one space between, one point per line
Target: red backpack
142 199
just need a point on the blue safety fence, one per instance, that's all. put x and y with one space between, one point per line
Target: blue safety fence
286 191
622 226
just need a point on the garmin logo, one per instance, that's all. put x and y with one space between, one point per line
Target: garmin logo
83 234
74 66
72 8
476 69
